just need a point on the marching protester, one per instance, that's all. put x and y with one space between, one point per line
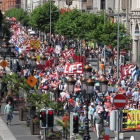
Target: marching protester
98 124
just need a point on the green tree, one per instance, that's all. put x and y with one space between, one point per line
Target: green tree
86 24
19 14
40 17
106 34
66 24
6 29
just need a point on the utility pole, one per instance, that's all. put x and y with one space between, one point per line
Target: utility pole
118 39
50 21
105 45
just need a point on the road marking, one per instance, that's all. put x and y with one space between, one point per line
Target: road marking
119 101
5 133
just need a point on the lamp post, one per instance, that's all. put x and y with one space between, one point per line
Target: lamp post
86 100
87 96
103 85
87 71
21 60
71 83
43 60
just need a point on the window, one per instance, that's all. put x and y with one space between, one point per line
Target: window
102 4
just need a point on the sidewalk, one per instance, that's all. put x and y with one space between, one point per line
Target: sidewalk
5 133
18 128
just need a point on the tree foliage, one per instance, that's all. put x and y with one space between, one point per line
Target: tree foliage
73 24
106 34
6 29
19 14
40 17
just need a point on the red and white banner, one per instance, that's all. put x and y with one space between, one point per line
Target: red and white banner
74 68
126 70
67 54
49 63
79 58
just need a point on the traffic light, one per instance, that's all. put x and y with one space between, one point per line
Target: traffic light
122 59
69 2
50 118
43 118
124 120
75 124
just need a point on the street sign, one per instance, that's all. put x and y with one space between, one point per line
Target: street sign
31 81
4 64
119 101
123 52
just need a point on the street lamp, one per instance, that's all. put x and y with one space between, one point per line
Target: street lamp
21 60
32 51
43 60
86 100
90 86
83 83
87 71
33 58
103 85
71 83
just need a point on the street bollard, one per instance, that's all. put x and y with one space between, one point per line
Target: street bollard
132 138
71 138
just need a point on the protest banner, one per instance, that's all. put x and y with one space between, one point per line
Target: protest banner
35 44
132 118
67 54
126 70
79 58
74 68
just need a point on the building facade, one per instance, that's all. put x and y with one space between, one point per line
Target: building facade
9 4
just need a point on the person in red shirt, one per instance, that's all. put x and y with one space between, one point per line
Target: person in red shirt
65 119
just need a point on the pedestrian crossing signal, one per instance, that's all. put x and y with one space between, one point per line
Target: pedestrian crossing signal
43 118
69 2
50 118
75 124
124 125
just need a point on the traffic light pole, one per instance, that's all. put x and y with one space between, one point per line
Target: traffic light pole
45 133
117 128
118 39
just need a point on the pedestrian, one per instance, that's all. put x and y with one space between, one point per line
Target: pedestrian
98 124
102 67
82 120
8 110
65 119
91 110
136 97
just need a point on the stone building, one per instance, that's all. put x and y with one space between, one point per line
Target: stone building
9 4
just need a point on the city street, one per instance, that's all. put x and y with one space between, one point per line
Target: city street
22 132
70 70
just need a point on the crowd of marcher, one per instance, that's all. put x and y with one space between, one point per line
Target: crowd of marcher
52 80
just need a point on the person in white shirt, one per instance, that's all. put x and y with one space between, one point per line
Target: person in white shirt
136 97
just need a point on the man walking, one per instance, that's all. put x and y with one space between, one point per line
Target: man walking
8 112
98 124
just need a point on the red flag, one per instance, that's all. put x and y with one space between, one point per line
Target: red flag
49 63
79 58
